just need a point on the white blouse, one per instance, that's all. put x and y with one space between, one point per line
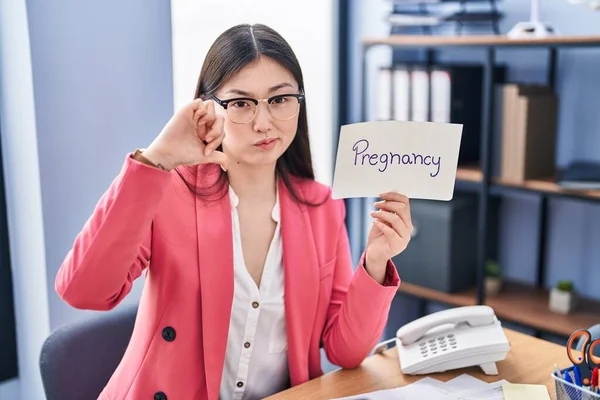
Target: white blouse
256 363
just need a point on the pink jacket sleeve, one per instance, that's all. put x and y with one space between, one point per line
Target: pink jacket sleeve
114 245
358 309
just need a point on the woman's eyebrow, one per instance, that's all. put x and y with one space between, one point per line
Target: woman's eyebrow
271 90
280 86
240 92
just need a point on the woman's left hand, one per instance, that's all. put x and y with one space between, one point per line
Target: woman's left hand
390 233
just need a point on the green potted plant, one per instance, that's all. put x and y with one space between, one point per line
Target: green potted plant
493 278
563 297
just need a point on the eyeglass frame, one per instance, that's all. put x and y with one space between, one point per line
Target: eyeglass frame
225 103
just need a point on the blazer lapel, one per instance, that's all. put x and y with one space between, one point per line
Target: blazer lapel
215 256
301 282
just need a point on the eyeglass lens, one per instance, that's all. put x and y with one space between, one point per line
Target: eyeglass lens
281 107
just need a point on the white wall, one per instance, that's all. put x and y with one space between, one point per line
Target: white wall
10 389
23 199
309 26
102 81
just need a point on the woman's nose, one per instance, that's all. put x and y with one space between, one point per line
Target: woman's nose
262 120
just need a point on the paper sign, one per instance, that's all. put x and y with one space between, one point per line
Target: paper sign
417 159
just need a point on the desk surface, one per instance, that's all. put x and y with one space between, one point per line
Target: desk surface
530 360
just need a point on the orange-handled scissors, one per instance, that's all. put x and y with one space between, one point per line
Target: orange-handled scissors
587 361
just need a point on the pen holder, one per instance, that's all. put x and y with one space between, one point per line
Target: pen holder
570 391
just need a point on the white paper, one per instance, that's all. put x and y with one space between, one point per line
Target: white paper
378 395
463 387
425 388
465 382
417 159
493 391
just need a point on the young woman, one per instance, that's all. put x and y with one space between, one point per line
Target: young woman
246 258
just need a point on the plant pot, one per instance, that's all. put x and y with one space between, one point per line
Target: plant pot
562 302
493 285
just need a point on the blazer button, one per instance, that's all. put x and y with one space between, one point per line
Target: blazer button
168 334
160 396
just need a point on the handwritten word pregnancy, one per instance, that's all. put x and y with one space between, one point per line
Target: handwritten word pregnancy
384 160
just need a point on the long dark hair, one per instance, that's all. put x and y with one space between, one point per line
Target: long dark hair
234 49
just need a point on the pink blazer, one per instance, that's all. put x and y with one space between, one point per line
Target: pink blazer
148 221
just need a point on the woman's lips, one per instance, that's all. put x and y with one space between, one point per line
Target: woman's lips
266 144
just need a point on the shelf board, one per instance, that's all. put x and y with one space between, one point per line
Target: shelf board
473 174
519 303
528 305
481 40
547 186
469 173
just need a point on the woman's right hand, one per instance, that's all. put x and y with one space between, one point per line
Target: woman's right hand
190 138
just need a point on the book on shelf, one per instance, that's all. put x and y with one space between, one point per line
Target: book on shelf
428 13
529 129
434 2
414 19
429 19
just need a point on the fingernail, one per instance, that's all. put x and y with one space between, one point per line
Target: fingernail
207 152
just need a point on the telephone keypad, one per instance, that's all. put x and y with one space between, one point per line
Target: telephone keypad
442 343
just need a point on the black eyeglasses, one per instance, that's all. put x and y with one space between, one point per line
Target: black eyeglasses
242 110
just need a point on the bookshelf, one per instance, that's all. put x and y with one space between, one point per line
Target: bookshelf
518 303
526 305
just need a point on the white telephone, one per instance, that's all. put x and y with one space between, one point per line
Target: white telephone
455 338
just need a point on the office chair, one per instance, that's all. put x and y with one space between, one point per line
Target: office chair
77 360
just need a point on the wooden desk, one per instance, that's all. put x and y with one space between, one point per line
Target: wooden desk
530 360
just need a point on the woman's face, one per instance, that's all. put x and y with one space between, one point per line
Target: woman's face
263 139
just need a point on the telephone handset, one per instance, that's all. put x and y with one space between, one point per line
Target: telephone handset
454 338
